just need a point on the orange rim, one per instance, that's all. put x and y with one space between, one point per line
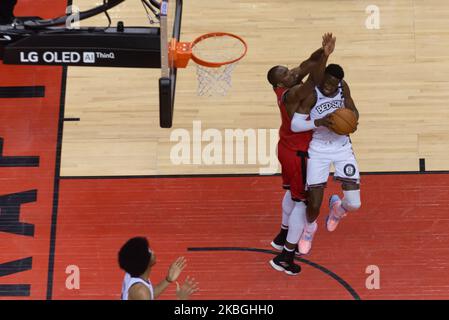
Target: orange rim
216 64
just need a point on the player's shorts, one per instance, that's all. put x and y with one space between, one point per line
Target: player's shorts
322 155
294 169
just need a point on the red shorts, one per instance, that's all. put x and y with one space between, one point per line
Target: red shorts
294 170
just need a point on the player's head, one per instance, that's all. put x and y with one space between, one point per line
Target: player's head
280 76
333 75
135 257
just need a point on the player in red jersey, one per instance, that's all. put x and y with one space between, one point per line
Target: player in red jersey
292 149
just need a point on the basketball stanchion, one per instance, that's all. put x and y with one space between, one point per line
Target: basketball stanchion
216 55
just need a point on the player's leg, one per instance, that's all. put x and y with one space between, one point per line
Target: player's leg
7 11
351 196
314 200
287 207
317 175
285 157
347 172
297 219
285 260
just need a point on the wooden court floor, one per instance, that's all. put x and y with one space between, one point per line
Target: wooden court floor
397 76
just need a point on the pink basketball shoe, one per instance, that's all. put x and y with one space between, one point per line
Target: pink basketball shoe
305 242
334 218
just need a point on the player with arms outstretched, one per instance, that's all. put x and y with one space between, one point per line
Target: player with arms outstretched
137 260
292 149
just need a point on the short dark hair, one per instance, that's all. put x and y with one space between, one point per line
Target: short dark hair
336 71
134 256
271 75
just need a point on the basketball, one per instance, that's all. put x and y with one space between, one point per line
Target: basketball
344 121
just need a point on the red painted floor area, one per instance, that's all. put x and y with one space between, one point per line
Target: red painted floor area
403 228
30 128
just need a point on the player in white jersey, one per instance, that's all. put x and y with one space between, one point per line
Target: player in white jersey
328 148
137 260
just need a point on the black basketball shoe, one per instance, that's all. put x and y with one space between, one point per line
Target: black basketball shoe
297 253
279 241
284 262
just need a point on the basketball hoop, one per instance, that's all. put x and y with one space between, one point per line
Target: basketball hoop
216 55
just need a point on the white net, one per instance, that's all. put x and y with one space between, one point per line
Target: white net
216 81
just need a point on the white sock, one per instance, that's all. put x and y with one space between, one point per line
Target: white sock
287 207
296 222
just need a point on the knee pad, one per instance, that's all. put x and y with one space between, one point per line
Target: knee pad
351 200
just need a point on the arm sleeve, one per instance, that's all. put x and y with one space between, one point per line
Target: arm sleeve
301 124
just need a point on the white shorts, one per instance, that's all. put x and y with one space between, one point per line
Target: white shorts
322 155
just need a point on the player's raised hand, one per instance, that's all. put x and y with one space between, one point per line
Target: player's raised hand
327 37
176 268
330 46
189 287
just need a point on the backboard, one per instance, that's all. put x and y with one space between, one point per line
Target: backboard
170 26
51 42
